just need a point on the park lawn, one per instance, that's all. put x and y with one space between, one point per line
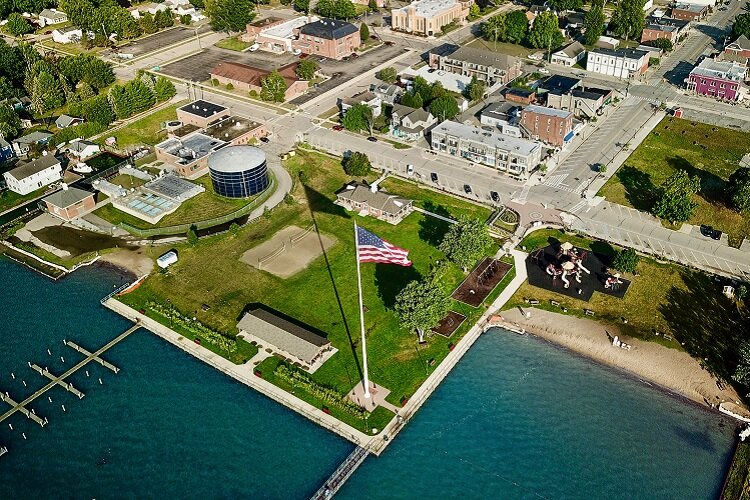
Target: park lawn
127 181
205 206
324 295
10 199
148 129
435 201
233 43
503 48
710 152
737 486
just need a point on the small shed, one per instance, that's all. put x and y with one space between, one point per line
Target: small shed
167 259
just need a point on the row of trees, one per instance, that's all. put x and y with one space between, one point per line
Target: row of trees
432 97
229 15
512 27
336 9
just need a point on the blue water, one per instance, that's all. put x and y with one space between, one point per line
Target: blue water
521 419
517 418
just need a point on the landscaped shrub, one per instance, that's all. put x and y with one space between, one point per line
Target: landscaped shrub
330 396
221 340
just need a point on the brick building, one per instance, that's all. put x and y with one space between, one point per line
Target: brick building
70 203
553 126
738 50
328 38
669 29
719 79
427 17
689 11
201 113
249 78
489 67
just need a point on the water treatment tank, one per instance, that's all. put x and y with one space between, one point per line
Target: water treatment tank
238 171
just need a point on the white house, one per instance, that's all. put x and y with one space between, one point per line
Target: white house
52 16
367 98
22 145
33 175
410 123
65 121
71 34
569 55
82 149
621 63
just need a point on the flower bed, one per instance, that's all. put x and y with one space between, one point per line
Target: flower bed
221 340
333 398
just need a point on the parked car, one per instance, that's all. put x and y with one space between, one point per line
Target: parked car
544 71
433 176
254 47
495 196
338 128
388 43
265 140
710 232
372 139
467 189
410 169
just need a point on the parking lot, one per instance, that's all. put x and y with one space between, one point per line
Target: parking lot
198 67
161 40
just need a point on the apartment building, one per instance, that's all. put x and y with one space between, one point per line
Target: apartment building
621 63
719 79
489 67
427 17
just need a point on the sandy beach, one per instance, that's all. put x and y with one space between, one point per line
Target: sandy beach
669 368
135 261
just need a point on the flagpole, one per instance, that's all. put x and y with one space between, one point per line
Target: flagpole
365 380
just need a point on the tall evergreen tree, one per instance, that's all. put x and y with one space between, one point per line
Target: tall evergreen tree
628 19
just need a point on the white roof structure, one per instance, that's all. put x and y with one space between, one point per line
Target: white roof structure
490 139
725 70
429 8
286 29
451 81
542 110
236 159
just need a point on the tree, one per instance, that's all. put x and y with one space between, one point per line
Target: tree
388 75
372 5
516 27
466 241
358 117
344 9
741 25
412 99
628 19
192 236
474 12
364 32
357 165
420 305
229 15
545 32
302 5
10 123
561 5
324 8
86 68
273 88
421 87
17 25
46 93
475 90
306 69
148 25
164 89
444 108
140 95
742 373
120 102
626 261
97 110
164 19
593 22
663 43
738 189
675 203
493 29
186 19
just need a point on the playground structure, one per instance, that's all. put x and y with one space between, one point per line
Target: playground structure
481 281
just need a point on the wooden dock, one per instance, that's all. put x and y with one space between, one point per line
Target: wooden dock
59 380
341 474
65 385
99 360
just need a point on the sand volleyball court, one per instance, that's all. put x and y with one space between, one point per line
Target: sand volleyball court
288 251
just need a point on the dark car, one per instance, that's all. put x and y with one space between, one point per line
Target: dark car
372 139
389 43
710 232
495 196
338 128
433 177
467 189
354 55
264 140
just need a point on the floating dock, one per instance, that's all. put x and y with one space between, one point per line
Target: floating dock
341 474
99 360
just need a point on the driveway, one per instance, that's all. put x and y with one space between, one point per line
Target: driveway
198 67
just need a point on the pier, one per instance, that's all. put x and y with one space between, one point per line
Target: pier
99 360
60 380
3 450
341 474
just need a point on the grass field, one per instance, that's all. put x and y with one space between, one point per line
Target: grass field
664 298
148 129
233 43
127 181
9 199
712 153
738 478
205 206
435 201
323 295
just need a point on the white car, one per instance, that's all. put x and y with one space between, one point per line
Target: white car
410 169
254 47
544 71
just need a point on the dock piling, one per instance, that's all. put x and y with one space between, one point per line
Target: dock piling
24 435
13 375
63 407
49 353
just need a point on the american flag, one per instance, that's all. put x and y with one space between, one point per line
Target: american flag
373 249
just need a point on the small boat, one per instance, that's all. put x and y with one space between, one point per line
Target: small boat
82 168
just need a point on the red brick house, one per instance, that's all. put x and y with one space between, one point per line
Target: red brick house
328 38
737 51
553 126
70 203
249 78
689 11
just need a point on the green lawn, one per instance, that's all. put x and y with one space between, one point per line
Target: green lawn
127 181
148 129
205 206
324 295
9 199
435 201
710 152
664 298
738 478
233 43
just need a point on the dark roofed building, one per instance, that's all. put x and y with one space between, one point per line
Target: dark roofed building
331 29
487 66
520 96
282 335
70 203
367 200
201 113
329 38
737 51
559 83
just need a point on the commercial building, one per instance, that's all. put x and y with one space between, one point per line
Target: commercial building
201 113
34 175
276 35
70 203
689 11
249 78
52 16
409 123
370 201
620 63
504 116
720 79
188 155
328 38
238 171
520 96
22 145
552 126
569 55
666 28
489 67
738 50
286 337
236 131
427 17
515 156
569 94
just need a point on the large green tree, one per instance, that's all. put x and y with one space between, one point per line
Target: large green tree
357 165
364 32
628 19
738 189
97 110
120 102
273 88
141 96
475 90
593 22
148 24
741 25
561 5
412 99
17 25
466 242
493 29
675 203
230 15
420 305
742 373
444 108
164 89
10 123
302 5
306 69
358 117
46 93
388 75
545 32
516 27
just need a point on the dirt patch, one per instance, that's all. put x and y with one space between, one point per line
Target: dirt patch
78 241
288 251
449 324
134 259
482 280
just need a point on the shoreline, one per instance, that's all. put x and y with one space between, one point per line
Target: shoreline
673 372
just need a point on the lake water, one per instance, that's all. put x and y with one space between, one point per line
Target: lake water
517 418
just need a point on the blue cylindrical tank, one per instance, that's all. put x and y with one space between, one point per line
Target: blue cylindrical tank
238 171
